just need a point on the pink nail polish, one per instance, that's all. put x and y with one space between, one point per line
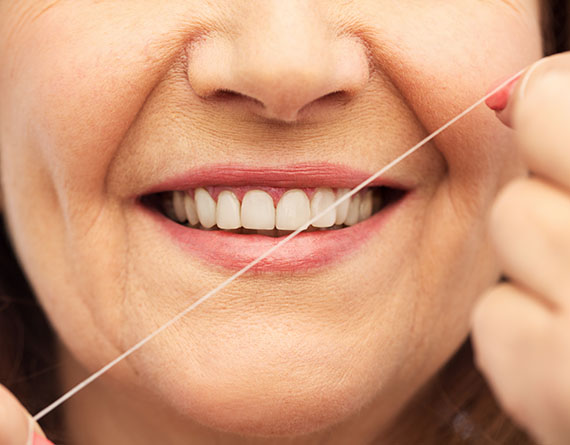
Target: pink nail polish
500 99
39 440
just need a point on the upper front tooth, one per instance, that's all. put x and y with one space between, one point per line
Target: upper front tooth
323 198
366 206
342 208
293 210
178 206
228 211
257 211
191 212
206 208
353 210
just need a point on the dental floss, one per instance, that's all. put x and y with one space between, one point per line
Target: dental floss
285 240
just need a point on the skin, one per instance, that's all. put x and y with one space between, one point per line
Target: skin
102 99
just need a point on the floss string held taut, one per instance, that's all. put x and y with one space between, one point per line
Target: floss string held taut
267 253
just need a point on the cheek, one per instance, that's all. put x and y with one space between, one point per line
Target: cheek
444 56
71 83
74 82
450 63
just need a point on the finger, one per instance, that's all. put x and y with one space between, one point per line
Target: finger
16 424
14 421
530 228
506 100
507 325
538 109
511 334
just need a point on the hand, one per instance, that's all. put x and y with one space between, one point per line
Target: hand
521 329
16 425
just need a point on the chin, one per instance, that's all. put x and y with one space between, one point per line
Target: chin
280 413
270 390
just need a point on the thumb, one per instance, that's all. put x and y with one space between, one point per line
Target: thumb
16 425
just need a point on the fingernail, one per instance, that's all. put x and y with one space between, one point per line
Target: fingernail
530 71
40 440
500 100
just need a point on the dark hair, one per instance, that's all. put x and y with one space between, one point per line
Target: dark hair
556 26
455 406
27 348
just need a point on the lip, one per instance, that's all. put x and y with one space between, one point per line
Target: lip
306 175
307 251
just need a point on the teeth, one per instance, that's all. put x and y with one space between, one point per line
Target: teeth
206 208
353 211
293 210
178 206
168 207
258 211
322 199
228 211
342 209
366 206
191 212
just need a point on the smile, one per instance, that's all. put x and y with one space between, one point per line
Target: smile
270 211
231 224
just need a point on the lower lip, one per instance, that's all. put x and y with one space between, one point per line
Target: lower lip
304 252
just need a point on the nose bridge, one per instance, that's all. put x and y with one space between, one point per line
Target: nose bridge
284 55
283 36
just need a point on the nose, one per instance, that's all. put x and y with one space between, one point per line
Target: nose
280 60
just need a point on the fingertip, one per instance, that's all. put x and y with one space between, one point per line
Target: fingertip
510 90
500 98
38 439
14 421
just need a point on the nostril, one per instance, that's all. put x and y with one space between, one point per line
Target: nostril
334 97
225 95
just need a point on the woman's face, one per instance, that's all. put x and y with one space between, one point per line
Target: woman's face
103 102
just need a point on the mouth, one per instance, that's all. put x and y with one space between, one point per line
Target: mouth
231 224
266 211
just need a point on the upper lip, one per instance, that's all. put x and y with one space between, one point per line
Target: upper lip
306 175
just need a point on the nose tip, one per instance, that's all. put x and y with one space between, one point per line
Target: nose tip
282 95
279 81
